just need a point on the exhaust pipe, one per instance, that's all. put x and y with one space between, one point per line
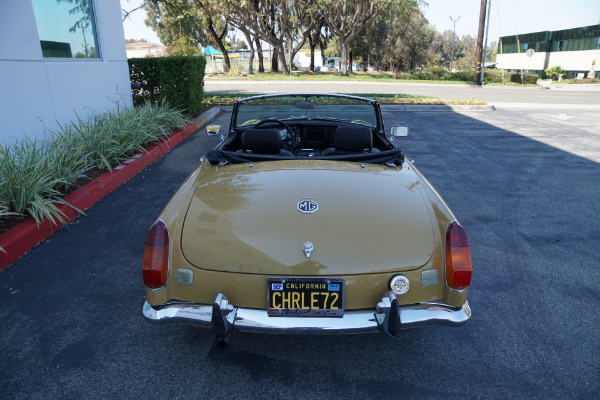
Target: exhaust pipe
223 341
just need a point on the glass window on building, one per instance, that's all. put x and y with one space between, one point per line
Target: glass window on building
67 28
598 44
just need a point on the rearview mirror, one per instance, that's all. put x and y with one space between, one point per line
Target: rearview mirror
212 130
306 105
399 131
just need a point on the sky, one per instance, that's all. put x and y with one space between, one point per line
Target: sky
507 17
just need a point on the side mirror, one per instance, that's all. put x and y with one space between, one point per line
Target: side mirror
212 130
399 131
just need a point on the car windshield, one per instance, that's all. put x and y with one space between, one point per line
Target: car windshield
304 107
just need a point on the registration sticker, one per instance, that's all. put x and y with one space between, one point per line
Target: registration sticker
305 297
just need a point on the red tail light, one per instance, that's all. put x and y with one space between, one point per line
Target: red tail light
156 256
458 257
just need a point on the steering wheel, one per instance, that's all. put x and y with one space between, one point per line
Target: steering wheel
281 123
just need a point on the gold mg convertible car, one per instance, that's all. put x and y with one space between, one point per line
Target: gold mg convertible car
307 219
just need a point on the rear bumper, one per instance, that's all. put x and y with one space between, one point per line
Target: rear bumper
387 317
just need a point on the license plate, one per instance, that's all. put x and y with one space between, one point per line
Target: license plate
305 297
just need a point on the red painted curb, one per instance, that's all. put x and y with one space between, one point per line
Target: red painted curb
25 236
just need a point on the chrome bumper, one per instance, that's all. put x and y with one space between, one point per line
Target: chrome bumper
387 317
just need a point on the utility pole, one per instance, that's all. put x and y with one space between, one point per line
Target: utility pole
479 52
453 37
487 30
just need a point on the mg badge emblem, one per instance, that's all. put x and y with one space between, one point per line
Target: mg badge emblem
307 207
308 248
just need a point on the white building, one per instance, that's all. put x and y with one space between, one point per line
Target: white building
575 50
302 60
59 59
145 49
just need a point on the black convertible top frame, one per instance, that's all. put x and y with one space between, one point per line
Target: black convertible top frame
392 157
372 102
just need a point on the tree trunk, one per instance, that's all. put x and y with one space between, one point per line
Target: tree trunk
311 44
251 45
350 60
274 56
261 61
219 43
281 54
344 65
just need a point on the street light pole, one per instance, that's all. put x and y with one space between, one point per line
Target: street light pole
453 36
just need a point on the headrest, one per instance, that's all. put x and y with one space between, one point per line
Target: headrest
262 141
353 138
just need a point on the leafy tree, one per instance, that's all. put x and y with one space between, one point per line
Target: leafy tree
555 71
332 49
398 38
284 24
442 46
174 21
180 47
201 22
414 40
317 37
346 19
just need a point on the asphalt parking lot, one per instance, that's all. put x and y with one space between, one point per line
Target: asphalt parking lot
525 184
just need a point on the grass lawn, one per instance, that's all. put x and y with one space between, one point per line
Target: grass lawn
323 76
229 99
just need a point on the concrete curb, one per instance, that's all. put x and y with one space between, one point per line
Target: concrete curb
25 236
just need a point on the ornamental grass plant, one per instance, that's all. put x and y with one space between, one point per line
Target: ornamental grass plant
34 175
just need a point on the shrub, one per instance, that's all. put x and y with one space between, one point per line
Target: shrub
234 72
492 76
463 76
28 182
438 72
179 80
527 79
403 76
106 139
33 175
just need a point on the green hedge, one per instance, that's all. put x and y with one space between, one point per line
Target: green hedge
436 73
179 80
527 79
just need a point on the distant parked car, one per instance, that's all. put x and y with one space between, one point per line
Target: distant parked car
328 68
370 68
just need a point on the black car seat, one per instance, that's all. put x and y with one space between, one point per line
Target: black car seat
263 141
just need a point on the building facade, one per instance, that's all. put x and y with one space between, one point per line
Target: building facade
59 59
576 50
144 49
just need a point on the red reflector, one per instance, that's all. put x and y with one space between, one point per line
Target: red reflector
156 256
458 257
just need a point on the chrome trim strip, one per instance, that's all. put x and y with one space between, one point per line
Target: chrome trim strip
359 321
